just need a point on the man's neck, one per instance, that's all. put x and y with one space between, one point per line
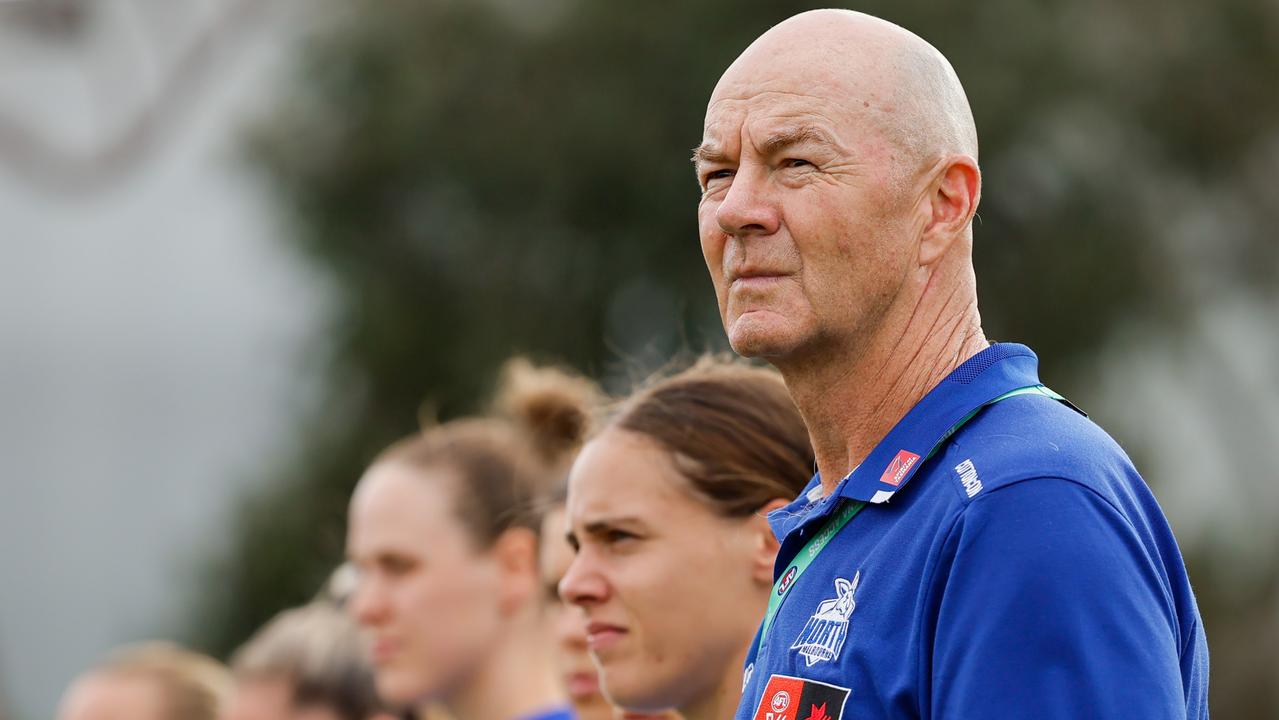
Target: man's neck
851 398
515 682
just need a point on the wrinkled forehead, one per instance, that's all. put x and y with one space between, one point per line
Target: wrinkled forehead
781 89
769 116
725 115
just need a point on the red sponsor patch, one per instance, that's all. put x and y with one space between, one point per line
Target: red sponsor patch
792 698
897 469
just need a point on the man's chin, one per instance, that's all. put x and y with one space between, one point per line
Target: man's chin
758 340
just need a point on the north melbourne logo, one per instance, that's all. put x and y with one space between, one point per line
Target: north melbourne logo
824 634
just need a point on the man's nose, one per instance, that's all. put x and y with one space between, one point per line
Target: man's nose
748 208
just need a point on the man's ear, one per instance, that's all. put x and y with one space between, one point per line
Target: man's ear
765 543
953 197
515 554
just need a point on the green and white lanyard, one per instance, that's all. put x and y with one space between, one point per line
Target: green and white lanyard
847 511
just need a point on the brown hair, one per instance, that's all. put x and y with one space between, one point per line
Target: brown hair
316 648
732 428
194 686
503 464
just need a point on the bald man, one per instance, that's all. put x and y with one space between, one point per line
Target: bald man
972 546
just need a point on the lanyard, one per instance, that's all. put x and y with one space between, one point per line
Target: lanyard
805 558
847 510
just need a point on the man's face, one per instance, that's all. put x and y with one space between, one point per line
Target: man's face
427 597
804 225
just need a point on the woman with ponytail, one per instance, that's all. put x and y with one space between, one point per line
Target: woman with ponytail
444 534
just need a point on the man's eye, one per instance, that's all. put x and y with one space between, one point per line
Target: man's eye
716 175
796 163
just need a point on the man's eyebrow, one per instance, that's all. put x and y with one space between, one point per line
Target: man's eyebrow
785 139
708 154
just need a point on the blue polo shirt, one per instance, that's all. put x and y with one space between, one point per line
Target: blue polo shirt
1024 570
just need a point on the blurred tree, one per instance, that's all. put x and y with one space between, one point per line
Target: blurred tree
487 177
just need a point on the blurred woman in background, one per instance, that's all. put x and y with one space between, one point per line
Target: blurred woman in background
674 559
306 664
153 681
444 536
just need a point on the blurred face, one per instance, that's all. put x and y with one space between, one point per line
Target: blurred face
668 587
568 626
272 699
804 228
427 598
113 697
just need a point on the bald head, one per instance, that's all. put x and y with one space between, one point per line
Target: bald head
839 177
869 71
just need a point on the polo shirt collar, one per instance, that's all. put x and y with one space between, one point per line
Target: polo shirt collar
998 369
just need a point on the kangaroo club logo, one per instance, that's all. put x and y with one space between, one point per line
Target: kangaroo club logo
899 467
791 698
823 635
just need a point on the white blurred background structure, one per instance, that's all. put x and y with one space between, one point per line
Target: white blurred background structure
150 323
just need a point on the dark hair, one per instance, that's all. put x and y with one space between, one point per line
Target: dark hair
732 428
503 464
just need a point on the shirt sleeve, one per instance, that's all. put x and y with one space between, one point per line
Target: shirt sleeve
1048 605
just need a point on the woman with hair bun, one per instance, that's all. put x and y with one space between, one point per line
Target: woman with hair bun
444 536
667 509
